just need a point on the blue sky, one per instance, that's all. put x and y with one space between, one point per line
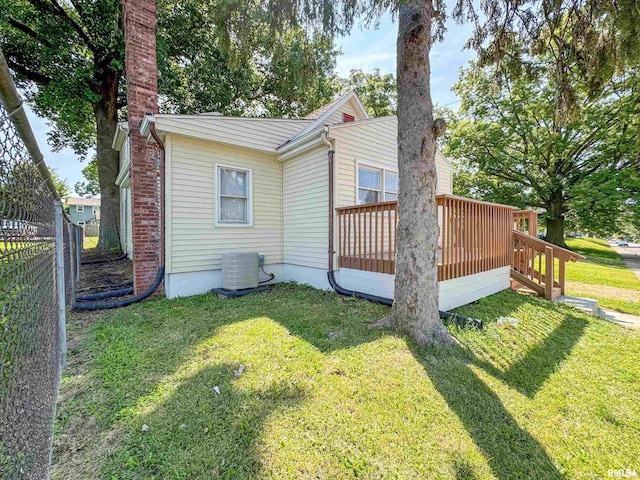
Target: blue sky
364 49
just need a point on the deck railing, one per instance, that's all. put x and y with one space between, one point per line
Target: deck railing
475 236
526 221
534 265
367 237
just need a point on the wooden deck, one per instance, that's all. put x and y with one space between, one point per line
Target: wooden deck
475 237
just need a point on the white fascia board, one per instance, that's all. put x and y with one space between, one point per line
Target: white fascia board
119 137
123 175
300 144
145 126
318 121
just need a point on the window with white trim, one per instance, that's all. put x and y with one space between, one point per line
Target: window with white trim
390 186
81 224
234 196
79 208
369 185
94 209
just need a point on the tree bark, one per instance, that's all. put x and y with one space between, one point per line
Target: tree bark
415 310
555 220
106 114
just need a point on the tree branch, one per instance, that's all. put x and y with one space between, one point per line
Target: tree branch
37 77
28 31
53 7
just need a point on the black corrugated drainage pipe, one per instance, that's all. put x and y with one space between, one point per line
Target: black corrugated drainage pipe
455 318
108 294
458 319
105 260
106 304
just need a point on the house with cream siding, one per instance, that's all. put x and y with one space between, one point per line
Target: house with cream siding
284 188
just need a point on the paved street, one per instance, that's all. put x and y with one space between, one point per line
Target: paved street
631 256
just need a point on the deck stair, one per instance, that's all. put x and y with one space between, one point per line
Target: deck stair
539 266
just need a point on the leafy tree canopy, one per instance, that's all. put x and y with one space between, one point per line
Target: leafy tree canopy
91 186
516 146
62 187
377 92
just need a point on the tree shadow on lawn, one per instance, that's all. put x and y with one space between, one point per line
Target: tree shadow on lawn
511 451
329 323
198 433
523 357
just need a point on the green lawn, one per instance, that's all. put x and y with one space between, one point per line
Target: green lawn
603 276
323 396
90 242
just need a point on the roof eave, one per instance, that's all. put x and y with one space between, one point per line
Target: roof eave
119 137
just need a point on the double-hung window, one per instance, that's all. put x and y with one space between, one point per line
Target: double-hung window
234 196
376 185
390 186
79 208
369 185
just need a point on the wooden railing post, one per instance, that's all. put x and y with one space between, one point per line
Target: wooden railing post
548 274
561 275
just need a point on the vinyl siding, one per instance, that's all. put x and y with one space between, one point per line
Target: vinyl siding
126 223
195 243
126 237
305 203
372 143
253 133
347 108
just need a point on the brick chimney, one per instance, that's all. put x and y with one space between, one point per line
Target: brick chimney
142 98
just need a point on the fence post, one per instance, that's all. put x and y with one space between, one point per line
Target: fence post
78 234
72 259
60 285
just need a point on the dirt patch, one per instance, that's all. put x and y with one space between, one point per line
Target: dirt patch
604 291
98 277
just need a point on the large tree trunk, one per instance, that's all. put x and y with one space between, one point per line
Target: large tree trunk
555 220
415 310
106 114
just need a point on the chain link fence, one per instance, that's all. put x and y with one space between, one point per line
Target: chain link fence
39 249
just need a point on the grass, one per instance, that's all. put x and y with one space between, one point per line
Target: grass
602 276
324 396
90 242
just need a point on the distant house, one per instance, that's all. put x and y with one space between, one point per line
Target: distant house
84 211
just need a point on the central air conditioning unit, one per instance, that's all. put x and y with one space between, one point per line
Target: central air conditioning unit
239 270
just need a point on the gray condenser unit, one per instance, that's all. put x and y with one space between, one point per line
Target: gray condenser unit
239 270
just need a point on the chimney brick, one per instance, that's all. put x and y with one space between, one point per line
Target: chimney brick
142 98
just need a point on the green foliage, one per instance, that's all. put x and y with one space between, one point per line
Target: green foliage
90 187
64 56
511 146
264 71
61 185
598 39
377 92
61 55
